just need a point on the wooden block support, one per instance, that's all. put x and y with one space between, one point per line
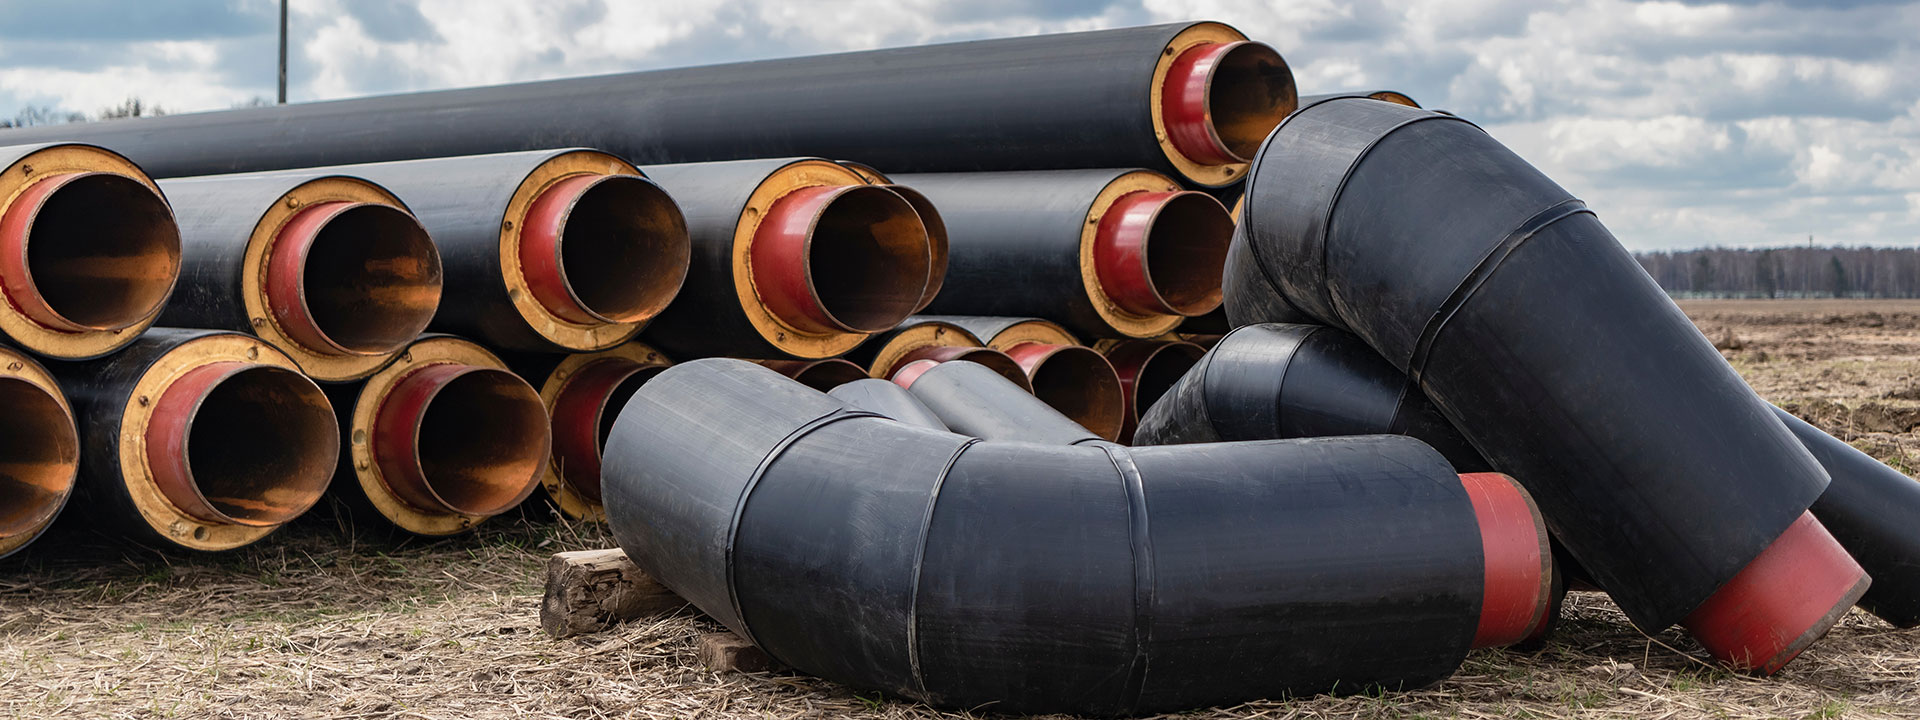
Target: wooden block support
589 590
727 652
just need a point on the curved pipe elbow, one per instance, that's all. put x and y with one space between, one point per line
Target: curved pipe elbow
1033 577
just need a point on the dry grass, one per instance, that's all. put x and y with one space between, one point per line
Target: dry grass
313 624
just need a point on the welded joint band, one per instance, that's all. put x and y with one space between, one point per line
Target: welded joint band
1482 271
1140 543
746 492
919 557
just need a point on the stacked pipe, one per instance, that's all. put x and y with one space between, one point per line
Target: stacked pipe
1508 304
964 571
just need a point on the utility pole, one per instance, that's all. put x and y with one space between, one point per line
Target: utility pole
283 52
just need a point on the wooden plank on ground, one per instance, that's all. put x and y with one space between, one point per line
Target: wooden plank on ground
590 590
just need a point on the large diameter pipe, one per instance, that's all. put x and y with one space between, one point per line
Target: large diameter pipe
1285 381
792 259
1521 278
1518 577
1147 369
89 252
198 439
1034 578
442 439
1077 381
331 269
929 216
39 450
1191 98
1108 253
922 340
583 393
568 250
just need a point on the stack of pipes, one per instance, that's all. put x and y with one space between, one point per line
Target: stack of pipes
961 367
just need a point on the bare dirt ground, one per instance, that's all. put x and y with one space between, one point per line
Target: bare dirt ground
315 624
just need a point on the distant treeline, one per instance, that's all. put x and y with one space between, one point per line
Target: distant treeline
1787 272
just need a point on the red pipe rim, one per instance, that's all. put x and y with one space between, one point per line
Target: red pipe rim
540 262
578 410
396 442
286 288
605 212
16 273
1184 105
1122 253
169 460
1518 564
1782 601
784 273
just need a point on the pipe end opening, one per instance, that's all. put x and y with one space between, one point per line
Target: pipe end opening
1079 383
354 278
481 440
842 259
39 455
260 444
90 252
623 249
1223 99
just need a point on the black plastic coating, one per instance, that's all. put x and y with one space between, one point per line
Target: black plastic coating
1536 334
1287 381
462 202
1013 244
974 400
1049 101
100 391
1030 578
882 397
1270 380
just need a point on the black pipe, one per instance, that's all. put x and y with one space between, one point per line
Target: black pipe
89 251
1191 97
1397 98
1074 379
792 258
197 439
1108 253
1539 337
39 450
822 375
582 393
881 397
1031 578
332 269
442 439
1271 381
972 400
569 250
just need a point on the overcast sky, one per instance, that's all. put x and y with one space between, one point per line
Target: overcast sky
1682 124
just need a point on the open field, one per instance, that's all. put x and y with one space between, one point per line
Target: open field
313 624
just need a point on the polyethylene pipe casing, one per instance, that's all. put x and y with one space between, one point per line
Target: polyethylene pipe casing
442 439
41 454
197 439
332 270
1192 98
1521 278
1282 381
1031 578
583 393
1108 253
569 250
794 258
89 252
